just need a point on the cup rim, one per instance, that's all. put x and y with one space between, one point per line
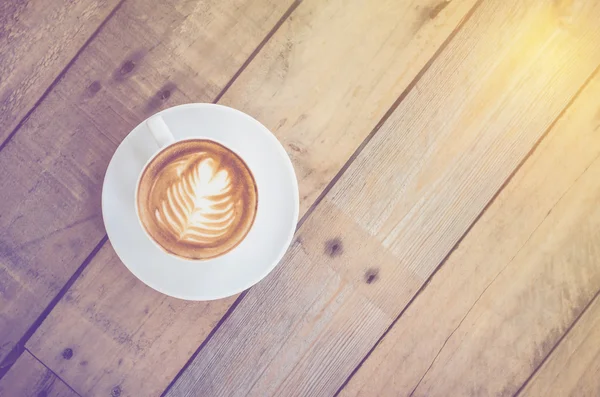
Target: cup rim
137 186
123 232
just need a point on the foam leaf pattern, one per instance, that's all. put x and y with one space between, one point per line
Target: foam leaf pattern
199 206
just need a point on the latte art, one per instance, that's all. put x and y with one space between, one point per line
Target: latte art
197 199
199 204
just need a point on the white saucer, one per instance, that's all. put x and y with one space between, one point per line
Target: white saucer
251 260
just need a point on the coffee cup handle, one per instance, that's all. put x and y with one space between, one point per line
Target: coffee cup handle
160 131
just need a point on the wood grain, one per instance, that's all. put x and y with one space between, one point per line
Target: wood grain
496 307
321 84
38 38
530 305
572 369
29 378
312 46
403 203
134 344
148 56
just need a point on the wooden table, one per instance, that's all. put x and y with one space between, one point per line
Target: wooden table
448 157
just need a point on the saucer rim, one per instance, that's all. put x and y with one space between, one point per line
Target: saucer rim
289 168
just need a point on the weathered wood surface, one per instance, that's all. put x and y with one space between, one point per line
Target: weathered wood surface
140 346
403 203
149 55
519 278
38 39
572 369
29 378
130 336
322 83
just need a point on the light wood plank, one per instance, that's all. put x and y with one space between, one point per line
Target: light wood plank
128 335
29 378
308 51
148 56
530 305
404 203
38 38
501 300
333 70
572 369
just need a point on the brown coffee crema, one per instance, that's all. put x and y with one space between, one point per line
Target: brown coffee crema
197 199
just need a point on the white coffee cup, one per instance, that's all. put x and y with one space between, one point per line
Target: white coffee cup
165 139
276 215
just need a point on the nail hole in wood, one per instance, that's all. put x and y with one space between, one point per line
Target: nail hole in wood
67 353
334 247
164 94
371 275
127 67
158 99
94 88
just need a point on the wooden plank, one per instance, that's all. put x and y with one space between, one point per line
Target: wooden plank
148 56
128 335
492 312
38 38
308 51
572 369
322 84
403 203
29 378
523 313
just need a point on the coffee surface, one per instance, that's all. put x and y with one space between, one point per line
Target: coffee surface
197 199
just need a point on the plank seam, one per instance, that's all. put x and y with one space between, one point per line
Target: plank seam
53 373
206 340
461 322
60 75
19 348
260 46
572 325
387 115
494 280
335 179
564 335
489 204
